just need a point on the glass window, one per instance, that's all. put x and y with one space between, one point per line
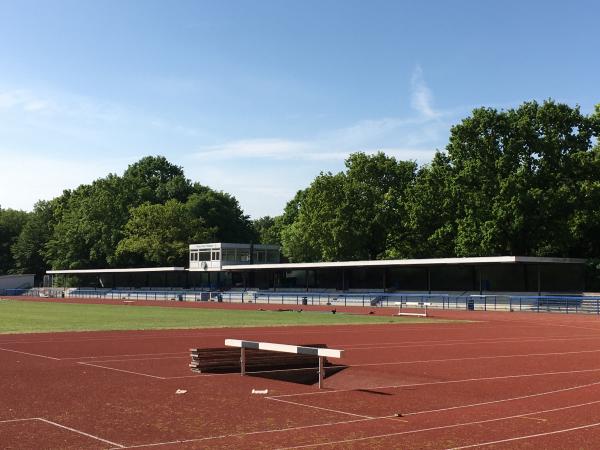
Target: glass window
229 254
244 256
216 255
204 255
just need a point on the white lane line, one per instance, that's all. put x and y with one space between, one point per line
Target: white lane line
130 354
473 358
443 427
141 359
56 424
18 420
320 408
556 391
451 344
250 433
432 383
530 436
30 354
80 432
121 370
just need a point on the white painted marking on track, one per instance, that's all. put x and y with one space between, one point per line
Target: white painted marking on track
464 380
250 433
18 420
80 432
442 427
56 424
470 405
530 436
129 354
30 354
319 407
472 358
122 370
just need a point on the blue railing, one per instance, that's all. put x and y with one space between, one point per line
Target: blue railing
487 302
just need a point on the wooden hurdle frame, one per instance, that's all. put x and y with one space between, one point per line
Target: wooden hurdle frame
284 348
423 305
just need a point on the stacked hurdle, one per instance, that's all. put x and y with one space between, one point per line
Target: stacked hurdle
261 357
423 305
227 360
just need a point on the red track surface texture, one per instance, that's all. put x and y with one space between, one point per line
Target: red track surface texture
508 380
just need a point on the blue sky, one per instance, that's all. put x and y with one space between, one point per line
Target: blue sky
257 97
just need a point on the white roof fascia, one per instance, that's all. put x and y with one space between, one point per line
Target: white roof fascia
92 271
410 262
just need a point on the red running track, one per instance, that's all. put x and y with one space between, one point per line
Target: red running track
504 380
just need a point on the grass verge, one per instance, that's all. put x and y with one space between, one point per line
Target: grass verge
31 317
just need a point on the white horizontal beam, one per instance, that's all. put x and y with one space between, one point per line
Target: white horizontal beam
284 348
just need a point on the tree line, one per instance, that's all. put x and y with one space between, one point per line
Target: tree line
146 217
523 181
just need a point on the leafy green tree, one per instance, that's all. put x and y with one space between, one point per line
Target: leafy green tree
268 229
11 223
160 235
90 225
430 226
349 215
517 177
154 179
28 250
222 213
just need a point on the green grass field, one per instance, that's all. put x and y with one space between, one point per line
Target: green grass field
31 317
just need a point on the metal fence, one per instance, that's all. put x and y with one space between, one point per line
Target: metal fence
488 302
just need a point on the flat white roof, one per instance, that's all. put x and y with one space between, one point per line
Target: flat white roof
217 245
410 262
140 269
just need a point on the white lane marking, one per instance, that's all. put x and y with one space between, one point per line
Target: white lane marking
121 370
320 408
80 432
464 380
250 433
129 354
327 424
472 358
18 420
30 354
530 436
74 430
442 427
539 394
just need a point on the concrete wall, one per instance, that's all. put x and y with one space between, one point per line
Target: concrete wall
16 281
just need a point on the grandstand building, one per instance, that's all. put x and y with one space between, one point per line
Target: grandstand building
225 266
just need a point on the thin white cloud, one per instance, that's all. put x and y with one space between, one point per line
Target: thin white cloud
422 97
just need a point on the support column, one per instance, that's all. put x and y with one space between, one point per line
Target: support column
429 280
384 278
321 372
242 361
306 278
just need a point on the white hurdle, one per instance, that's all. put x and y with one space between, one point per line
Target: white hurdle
423 305
284 348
